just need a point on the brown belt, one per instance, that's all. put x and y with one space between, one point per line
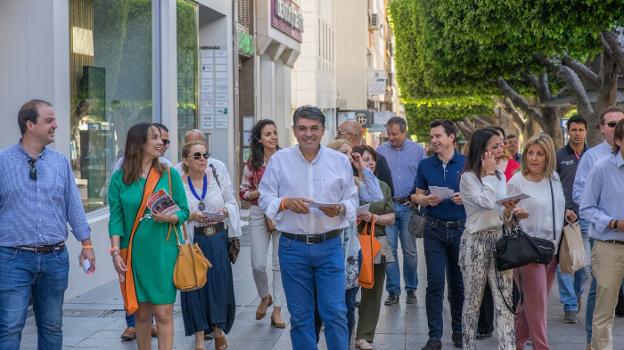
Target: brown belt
42 249
613 241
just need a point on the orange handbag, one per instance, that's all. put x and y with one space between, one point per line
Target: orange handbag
370 248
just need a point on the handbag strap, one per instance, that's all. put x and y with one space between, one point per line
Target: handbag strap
552 202
175 229
150 184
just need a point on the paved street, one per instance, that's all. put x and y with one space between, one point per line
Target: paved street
96 319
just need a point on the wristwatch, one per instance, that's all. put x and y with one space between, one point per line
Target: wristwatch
343 210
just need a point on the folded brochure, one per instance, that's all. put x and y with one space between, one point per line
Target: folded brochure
515 197
160 202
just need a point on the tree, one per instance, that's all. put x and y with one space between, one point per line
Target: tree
467 47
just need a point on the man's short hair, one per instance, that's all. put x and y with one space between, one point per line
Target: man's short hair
309 112
576 119
610 109
449 127
30 111
397 121
161 126
511 136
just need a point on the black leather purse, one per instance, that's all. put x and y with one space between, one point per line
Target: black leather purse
515 248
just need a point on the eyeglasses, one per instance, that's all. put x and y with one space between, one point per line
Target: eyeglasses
611 124
166 141
33 169
197 155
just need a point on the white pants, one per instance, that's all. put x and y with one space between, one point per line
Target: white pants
260 239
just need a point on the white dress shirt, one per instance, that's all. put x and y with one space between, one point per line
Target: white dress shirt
327 179
479 199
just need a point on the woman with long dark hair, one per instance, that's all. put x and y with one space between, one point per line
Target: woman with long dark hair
263 144
481 185
143 247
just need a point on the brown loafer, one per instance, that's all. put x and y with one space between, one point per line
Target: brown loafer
129 334
154 331
260 314
221 342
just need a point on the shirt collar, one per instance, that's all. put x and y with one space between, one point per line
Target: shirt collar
318 155
619 161
571 151
453 159
399 149
24 153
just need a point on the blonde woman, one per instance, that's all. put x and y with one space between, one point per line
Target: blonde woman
541 183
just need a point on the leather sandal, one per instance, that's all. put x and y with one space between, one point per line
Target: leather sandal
221 342
129 334
260 315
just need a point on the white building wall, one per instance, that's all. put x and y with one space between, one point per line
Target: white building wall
351 53
314 74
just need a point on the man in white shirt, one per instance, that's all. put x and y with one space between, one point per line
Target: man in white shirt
309 192
608 119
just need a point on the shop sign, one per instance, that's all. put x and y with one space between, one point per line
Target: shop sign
287 17
363 117
376 82
245 43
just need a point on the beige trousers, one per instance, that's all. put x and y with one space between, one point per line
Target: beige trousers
608 269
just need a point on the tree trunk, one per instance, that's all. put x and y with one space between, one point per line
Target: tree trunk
551 124
607 94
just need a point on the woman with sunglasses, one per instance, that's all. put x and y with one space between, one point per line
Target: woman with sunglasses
263 144
214 214
145 257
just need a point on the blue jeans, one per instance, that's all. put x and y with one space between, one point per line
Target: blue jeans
396 232
442 258
130 320
44 277
571 285
350 295
304 268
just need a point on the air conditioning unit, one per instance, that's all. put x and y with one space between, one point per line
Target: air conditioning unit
373 21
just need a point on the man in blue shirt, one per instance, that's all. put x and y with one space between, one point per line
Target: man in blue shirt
38 197
403 157
601 204
443 229
608 119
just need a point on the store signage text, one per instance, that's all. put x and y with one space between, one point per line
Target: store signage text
287 17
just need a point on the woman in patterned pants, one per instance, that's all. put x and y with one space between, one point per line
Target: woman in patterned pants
481 186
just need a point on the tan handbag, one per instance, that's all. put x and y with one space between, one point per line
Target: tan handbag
191 268
572 249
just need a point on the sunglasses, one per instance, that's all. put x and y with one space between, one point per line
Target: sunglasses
197 155
166 142
32 173
611 124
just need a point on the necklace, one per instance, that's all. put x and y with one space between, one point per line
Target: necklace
139 180
201 205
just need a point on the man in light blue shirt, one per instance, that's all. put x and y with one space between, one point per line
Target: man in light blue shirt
403 157
38 198
601 204
608 119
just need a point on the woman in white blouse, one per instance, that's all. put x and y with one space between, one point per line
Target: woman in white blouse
541 183
481 185
214 222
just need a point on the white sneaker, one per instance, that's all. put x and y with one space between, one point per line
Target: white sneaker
363 344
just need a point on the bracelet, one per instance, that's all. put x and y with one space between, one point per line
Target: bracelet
615 224
87 246
610 225
113 251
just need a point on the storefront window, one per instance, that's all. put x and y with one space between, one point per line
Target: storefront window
187 52
111 86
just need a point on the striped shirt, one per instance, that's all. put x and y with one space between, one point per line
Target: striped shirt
36 212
